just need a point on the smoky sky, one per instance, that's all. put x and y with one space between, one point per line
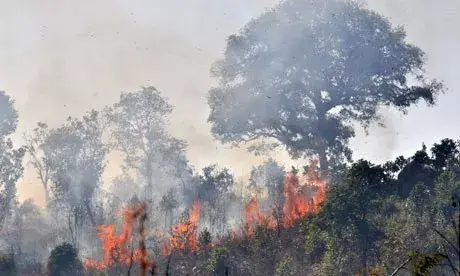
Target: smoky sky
61 58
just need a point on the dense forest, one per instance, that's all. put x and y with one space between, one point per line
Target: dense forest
301 77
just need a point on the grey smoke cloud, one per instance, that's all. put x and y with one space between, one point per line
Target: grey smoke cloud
60 58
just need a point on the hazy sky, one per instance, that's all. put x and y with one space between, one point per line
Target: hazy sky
63 57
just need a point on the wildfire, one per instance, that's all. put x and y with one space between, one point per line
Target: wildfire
302 196
116 248
252 211
184 235
253 216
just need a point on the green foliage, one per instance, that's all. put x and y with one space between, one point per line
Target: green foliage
345 227
64 261
285 267
205 238
214 190
8 115
35 142
76 154
368 221
10 157
213 182
404 231
7 266
139 120
70 161
168 204
422 264
422 223
262 238
443 153
217 254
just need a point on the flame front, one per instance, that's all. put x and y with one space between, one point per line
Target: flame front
302 196
184 235
253 216
116 249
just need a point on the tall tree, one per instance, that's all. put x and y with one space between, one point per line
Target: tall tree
139 131
270 175
168 205
301 73
34 145
423 168
25 234
347 225
11 168
76 154
215 186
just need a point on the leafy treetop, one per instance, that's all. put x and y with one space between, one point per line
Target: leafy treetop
301 73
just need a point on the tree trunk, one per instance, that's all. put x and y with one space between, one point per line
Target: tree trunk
322 156
149 176
149 171
47 195
90 213
170 217
211 221
364 256
322 147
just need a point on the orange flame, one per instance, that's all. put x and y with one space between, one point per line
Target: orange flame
302 196
253 216
184 235
252 213
115 247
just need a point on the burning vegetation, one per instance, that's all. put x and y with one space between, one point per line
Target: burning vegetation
120 249
184 235
303 195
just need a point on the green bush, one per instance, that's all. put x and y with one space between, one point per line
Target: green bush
63 261
7 266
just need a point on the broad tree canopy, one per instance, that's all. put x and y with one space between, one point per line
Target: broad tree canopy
139 129
301 73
